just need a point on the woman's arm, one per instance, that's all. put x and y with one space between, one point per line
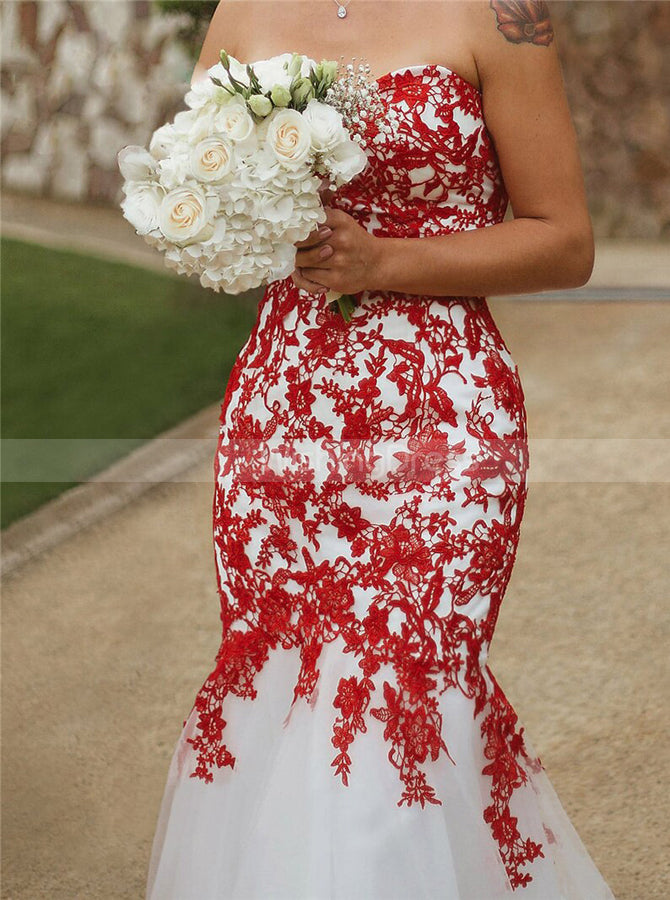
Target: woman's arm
549 243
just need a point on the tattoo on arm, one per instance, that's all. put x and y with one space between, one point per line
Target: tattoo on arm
524 20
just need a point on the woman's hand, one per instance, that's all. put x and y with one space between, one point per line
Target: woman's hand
339 255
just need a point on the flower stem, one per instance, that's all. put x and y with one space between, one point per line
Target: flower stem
346 303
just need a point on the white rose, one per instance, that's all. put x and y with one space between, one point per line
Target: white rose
271 72
162 141
184 121
141 204
289 137
346 160
183 214
192 125
211 159
201 92
235 120
135 163
326 125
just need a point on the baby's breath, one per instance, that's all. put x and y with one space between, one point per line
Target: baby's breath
366 115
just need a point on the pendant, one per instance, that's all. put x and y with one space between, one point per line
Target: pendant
341 11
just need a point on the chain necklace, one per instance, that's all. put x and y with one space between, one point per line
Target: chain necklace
341 10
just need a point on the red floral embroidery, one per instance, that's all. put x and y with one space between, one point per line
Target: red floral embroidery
413 735
504 747
352 700
399 439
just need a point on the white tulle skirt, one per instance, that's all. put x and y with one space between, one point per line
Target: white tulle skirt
280 825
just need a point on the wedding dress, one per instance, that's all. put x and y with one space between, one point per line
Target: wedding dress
351 742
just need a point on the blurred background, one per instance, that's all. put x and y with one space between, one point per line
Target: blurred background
81 79
113 371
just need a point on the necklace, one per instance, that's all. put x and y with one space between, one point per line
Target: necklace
341 10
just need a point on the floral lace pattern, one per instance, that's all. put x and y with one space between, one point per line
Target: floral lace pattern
409 567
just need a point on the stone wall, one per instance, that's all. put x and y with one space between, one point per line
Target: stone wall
79 81
616 67
82 79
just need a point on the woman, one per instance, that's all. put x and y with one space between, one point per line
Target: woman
351 741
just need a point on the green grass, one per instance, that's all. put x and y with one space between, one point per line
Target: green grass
103 350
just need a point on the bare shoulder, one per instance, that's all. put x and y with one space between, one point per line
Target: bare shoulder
514 45
225 31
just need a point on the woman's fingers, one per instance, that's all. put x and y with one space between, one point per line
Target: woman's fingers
325 192
315 237
305 284
314 256
313 250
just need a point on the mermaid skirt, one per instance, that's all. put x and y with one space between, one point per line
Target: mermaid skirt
351 741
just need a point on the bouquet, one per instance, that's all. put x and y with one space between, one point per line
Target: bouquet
228 187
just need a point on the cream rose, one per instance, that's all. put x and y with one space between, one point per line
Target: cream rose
183 214
212 158
289 137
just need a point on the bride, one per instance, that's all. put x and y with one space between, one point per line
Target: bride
350 741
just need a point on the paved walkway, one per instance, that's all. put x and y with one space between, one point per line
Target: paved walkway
110 631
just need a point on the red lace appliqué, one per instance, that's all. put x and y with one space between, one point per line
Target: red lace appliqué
426 387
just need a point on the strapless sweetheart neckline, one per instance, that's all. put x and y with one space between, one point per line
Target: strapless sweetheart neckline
421 67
